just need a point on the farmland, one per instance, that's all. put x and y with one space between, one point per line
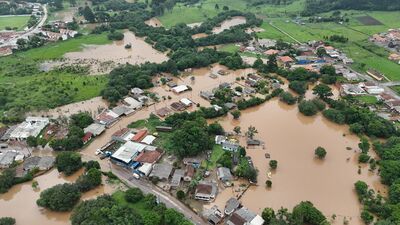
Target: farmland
18 22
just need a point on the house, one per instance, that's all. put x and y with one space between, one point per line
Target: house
386 97
177 178
194 162
180 89
231 205
139 136
219 139
145 169
148 157
213 215
271 52
148 139
7 158
133 103
230 105
123 110
224 174
207 95
244 216
351 89
41 163
372 88
224 85
87 137
187 102
266 43
120 135
163 112
189 173
32 126
178 106
95 128
230 146
107 118
253 142
162 171
127 152
285 61
136 91
206 191
375 74
171 84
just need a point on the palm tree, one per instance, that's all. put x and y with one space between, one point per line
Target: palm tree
251 131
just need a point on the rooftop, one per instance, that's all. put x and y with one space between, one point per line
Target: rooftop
162 171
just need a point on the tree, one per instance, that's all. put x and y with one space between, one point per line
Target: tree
245 170
268 214
180 195
258 64
288 98
225 8
361 189
32 141
363 158
81 120
364 145
7 179
242 152
237 130
308 108
306 213
300 87
68 162
236 114
90 180
320 152
394 193
268 183
216 7
62 197
92 164
367 217
321 52
133 195
215 129
273 164
328 70
323 91
88 14
226 160
7 221
251 131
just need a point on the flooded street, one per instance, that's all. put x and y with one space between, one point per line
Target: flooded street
227 24
291 139
20 201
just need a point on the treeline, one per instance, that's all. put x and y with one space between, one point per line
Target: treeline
271 2
318 6
11 8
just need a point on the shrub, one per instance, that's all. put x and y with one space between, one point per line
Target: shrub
320 152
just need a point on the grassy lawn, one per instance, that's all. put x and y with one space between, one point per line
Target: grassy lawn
368 99
149 123
13 21
58 49
139 207
396 89
217 152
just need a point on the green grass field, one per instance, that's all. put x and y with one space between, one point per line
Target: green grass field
216 153
14 21
368 99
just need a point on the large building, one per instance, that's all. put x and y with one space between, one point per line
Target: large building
32 126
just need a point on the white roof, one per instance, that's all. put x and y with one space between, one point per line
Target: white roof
112 114
128 151
129 137
180 88
146 168
133 103
148 139
186 101
95 129
258 220
32 126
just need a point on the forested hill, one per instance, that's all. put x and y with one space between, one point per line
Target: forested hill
318 6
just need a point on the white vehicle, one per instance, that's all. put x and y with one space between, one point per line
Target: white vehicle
98 152
135 175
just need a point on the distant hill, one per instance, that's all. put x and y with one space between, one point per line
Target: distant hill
319 6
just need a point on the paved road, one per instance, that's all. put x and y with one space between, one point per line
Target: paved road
164 197
31 31
392 83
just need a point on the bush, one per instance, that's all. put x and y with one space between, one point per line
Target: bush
363 158
90 180
334 116
133 195
236 114
308 108
268 183
287 98
367 217
7 221
300 87
62 197
273 164
116 36
180 194
92 164
320 152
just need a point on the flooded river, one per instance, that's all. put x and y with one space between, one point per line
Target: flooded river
291 139
20 201
227 24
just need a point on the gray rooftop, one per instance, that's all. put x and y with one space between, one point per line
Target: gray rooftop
7 158
42 163
95 128
224 174
231 205
177 177
162 171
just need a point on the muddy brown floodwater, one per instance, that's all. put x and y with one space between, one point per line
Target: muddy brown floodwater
291 139
20 201
139 53
227 24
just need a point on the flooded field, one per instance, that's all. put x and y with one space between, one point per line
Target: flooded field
227 24
291 139
20 201
92 106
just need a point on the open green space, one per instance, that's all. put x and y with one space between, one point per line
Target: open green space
13 21
216 154
396 89
368 99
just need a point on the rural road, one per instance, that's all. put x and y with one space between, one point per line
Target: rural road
31 31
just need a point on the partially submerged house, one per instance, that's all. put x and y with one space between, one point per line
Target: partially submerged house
224 174
244 216
206 191
231 205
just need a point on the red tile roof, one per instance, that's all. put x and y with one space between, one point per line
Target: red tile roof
121 132
285 59
139 135
148 156
87 137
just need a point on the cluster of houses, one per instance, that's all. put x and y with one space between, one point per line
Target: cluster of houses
233 214
390 40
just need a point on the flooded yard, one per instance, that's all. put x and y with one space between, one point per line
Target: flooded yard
227 24
291 139
20 201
